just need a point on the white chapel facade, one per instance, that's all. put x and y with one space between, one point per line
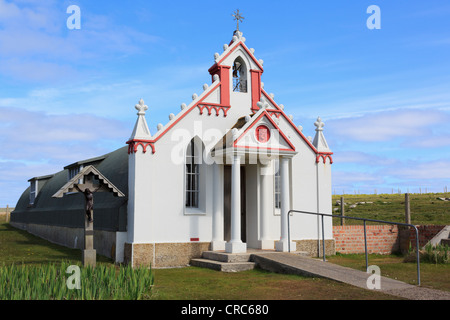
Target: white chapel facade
224 172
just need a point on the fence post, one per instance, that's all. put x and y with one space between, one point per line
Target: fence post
342 211
7 214
407 209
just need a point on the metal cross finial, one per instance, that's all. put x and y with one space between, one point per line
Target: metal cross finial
237 16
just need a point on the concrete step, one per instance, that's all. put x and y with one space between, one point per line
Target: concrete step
441 237
226 257
230 262
223 266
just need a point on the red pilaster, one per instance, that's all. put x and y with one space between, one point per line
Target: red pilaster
224 75
256 87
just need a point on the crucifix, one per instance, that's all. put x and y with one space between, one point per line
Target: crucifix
237 16
92 181
89 201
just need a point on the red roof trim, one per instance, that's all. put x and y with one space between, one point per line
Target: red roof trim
134 143
248 52
324 156
290 121
264 114
186 113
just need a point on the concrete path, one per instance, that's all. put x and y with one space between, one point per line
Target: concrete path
296 264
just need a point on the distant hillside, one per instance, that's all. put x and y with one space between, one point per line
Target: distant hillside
426 209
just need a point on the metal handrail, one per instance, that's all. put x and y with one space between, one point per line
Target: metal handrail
365 235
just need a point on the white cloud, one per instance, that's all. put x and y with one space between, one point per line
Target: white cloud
35 44
33 136
362 158
387 125
437 169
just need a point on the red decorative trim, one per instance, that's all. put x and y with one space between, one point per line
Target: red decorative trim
264 114
195 239
324 156
133 145
277 113
262 133
186 113
288 120
215 106
248 52
264 148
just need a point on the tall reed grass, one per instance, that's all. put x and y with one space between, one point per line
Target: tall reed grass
436 254
49 282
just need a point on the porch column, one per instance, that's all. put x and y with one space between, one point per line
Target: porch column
266 179
235 245
283 244
218 242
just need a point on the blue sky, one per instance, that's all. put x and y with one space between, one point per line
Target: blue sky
384 94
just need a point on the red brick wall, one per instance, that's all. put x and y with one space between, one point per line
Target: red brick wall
380 239
426 233
384 239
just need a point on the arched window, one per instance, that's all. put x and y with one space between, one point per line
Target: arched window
239 75
193 159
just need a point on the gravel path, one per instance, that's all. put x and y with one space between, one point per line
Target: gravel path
420 293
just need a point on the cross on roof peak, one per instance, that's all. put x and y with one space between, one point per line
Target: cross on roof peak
237 16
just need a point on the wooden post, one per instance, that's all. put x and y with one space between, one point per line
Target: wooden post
407 209
342 211
7 214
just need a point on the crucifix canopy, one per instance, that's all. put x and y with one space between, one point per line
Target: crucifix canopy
92 180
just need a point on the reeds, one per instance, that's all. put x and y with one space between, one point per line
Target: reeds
436 254
49 282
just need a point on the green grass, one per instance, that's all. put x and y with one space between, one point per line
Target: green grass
192 283
426 209
33 268
51 282
19 249
432 275
18 246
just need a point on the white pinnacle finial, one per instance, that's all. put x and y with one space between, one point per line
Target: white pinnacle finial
319 142
141 130
141 107
319 124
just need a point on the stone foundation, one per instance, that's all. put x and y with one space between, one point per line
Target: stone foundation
315 247
163 255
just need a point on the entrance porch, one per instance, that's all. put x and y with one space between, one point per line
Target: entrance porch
244 204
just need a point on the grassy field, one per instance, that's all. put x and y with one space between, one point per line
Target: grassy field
191 283
436 276
18 247
426 209
21 248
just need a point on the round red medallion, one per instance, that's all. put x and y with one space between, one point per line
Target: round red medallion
262 134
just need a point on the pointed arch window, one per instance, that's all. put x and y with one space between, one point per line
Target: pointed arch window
239 76
192 175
